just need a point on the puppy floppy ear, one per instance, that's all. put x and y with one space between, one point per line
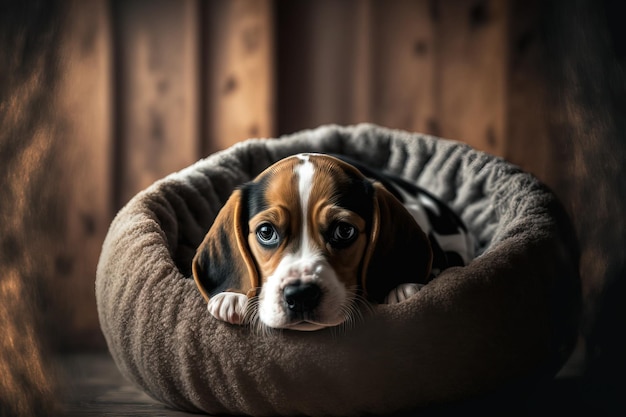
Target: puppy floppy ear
223 261
398 251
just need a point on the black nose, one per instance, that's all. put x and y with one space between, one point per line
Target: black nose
302 298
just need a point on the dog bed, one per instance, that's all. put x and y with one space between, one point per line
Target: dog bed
508 319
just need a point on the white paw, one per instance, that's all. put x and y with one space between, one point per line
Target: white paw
402 292
228 306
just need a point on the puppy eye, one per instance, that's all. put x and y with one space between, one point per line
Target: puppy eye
267 235
342 234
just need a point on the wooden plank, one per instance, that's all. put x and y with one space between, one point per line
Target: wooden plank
294 66
471 72
238 72
528 133
83 103
332 62
96 388
157 48
361 108
403 65
324 54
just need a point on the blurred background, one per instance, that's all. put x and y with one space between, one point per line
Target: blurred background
100 98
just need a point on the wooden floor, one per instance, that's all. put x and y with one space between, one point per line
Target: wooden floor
94 387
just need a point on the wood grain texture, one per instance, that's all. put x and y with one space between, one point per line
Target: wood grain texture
403 65
324 58
83 101
471 72
94 387
434 67
529 136
157 90
238 72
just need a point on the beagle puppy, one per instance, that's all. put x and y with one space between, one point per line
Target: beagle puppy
312 236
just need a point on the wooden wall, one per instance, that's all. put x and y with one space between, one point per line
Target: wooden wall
404 63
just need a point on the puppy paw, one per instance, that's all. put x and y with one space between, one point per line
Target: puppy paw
402 292
228 306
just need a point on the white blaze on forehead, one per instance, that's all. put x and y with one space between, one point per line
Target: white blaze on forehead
305 172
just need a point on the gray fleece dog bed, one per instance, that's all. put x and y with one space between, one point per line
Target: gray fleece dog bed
507 318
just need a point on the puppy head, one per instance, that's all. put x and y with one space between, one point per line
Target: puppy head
306 236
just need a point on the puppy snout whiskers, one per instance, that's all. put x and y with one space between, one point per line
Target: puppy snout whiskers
302 297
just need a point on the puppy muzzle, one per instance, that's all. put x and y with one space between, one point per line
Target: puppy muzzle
301 295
